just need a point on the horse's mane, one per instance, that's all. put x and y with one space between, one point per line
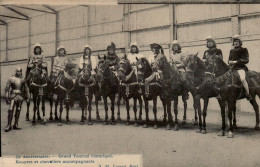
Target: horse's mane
223 64
148 65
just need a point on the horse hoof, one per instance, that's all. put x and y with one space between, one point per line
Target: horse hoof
85 118
145 126
136 124
118 119
198 131
98 118
195 122
68 122
164 120
51 118
34 122
221 133
113 123
230 135
81 123
235 126
44 120
90 123
39 118
168 127
127 123
176 128
183 121
56 118
203 131
105 123
27 119
257 127
139 118
59 124
155 126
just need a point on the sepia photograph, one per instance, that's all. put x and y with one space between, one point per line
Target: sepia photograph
130 84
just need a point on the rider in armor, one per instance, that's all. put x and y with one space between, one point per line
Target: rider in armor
36 58
112 57
86 58
158 53
238 58
134 52
178 58
16 90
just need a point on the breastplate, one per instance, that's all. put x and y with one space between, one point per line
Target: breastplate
16 83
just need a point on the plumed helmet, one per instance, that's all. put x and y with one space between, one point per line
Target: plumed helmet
87 46
18 69
157 47
210 39
136 45
112 46
61 47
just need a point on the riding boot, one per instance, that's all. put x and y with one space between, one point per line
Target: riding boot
10 117
16 116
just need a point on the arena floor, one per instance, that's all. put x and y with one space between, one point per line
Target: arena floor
159 147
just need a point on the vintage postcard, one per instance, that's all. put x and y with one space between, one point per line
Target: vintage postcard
109 83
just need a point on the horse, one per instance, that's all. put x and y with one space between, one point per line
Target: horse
149 81
63 86
231 90
129 88
38 84
87 88
109 86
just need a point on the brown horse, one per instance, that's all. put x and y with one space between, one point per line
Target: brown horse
109 86
129 88
87 88
231 90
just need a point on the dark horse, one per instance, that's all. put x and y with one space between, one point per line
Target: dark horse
150 89
38 84
231 90
63 86
87 88
109 86
128 88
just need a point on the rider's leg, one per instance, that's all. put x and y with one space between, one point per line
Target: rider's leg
242 75
185 85
10 115
17 114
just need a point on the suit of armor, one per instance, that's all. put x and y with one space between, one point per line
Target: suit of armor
16 90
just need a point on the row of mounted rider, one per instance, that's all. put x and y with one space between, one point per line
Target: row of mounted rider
133 76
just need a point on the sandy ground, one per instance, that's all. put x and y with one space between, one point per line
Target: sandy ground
159 147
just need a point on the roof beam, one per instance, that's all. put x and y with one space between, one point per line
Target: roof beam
38 10
50 8
16 11
14 17
4 23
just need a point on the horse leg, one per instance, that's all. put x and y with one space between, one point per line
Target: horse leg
206 102
34 109
135 110
28 108
112 98
234 117
146 113
56 110
231 105
97 112
141 107
164 112
127 111
61 109
86 105
198 106
118 107
195 120
256 108
168 106
43 109
67 111
51 104
155 112
222 107
38 108
90 97
106 109
176 126
185 109
82 115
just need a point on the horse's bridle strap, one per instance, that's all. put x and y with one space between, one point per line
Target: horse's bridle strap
34 84
88 85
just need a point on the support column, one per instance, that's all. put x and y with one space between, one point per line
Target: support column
172 24
29 38
126 26
6 42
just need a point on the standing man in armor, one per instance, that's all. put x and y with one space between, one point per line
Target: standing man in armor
178 58
238 58
16 90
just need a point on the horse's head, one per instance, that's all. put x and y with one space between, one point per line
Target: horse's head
86 73
143 69
102 68
124 68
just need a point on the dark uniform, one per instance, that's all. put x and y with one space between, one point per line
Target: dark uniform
212 53
112 58
16 89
